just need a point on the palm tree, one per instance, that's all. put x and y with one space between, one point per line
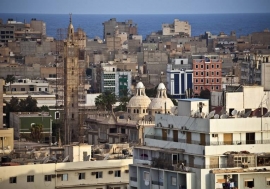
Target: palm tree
105 101
36 132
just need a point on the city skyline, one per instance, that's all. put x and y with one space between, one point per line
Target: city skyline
139 7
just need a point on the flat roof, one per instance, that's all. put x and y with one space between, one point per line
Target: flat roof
193 99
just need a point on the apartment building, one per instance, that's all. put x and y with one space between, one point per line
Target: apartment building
88 174
117 82
198 149
206 73
177 28
110 27
179 78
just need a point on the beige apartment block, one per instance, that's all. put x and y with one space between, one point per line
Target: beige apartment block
103 174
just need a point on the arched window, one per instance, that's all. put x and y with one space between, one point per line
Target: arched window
137 111
134 111
143 110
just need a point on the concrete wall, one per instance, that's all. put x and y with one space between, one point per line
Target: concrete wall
2 82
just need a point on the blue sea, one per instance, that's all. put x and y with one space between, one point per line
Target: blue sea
243 24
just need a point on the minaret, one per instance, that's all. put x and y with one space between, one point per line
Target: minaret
71 83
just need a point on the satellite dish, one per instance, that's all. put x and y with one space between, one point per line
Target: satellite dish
267 114
32 151
211 114
107 157
247 114
238 114
53 158
234 112
66 158
242 113
216 116
202 114
46 159
223 116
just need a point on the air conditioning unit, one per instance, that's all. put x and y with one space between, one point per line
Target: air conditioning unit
214 135
127 171
93 173
110 172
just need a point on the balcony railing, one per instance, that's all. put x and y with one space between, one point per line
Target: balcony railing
133 179
157 183
205 143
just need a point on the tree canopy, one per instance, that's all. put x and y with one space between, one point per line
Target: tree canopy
36 132
105 100
20 105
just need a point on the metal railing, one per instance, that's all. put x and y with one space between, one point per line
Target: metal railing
157 183
133 179
205 143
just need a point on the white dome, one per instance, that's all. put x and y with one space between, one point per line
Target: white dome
159 104
161 86
139 101
140 85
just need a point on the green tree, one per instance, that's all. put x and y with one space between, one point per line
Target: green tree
28 105
105 101
123 99
36 132
44 109
10 79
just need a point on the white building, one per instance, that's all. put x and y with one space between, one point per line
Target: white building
179 79
200 150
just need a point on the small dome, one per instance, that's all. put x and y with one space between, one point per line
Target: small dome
139 101
159 104
140 85
161 86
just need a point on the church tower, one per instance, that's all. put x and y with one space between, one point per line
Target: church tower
71 84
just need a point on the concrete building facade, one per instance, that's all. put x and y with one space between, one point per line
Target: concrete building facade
176 28
206 73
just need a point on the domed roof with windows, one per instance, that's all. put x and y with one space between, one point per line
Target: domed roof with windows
139 99
161 99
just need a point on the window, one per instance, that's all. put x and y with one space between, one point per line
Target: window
196 66
47 178
212 66
217 87
249 183
196 88
212 73
206 80
207 74
81 176
98 175
57 115
173 179
217 73
12 180
267 181
146 176
202 66
72 116
196 81
39 89
46 89
250 138
207 66
217 66
30 178
196 73
22 89
64 177
201 73
201 80
217 80
117 173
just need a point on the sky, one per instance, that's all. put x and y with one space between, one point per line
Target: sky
134 6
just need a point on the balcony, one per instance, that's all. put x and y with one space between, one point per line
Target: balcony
207 143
